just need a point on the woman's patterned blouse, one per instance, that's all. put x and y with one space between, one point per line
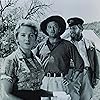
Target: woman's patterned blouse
24 73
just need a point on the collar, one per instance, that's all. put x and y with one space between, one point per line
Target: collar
21 54
88 43
48 42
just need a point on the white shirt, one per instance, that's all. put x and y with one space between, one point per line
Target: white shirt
81 46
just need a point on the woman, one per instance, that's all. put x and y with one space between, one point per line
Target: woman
21 72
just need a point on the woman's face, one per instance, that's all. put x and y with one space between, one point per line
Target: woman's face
53 29
26 37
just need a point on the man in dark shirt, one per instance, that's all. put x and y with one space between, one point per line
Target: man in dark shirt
56 54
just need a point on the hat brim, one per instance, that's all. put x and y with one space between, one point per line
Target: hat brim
61 22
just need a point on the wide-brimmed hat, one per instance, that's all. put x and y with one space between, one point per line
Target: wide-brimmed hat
75 21
58 19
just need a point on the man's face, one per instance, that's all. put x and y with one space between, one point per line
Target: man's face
76 32
26 37
53 29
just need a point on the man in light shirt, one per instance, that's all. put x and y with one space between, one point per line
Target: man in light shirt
87 51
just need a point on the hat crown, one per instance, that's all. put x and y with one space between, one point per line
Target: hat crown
75 21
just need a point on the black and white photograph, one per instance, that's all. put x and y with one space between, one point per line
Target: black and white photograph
49 50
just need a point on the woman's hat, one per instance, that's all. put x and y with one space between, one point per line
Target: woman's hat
75 21
58 19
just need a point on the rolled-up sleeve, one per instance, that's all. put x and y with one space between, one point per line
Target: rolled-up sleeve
7 69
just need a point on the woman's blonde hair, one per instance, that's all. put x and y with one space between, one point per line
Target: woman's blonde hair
25 22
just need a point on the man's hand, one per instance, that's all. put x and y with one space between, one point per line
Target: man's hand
75 75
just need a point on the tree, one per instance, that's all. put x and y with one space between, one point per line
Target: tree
10 12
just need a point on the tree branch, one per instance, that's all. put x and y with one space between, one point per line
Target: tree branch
10 3
37 8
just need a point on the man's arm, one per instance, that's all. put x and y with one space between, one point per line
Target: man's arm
78 61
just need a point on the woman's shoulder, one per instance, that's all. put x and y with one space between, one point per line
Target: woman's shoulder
12 56
8 63
42 43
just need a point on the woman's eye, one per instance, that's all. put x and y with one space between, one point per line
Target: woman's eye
23 35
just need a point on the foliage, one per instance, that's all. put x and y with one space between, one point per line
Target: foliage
10 12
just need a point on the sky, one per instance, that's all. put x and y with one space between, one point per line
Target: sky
89 10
